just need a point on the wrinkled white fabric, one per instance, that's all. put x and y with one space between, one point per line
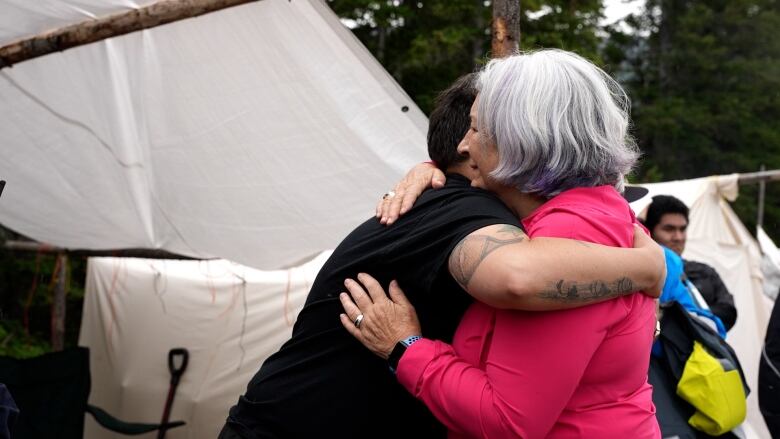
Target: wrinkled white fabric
770 264
261 133
228 316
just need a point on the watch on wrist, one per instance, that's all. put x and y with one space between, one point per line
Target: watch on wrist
398 351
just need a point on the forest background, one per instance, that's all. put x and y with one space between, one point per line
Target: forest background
703 78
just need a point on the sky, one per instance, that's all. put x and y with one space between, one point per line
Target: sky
615 10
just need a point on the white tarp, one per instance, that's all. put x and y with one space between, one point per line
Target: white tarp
228 316
136 310
260 133
770 263
717 237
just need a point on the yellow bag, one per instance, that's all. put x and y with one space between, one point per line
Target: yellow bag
714 388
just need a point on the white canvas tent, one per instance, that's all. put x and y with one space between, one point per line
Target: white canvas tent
259 133
770 264
228 316
138 309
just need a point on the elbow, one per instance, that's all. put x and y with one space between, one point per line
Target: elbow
519 288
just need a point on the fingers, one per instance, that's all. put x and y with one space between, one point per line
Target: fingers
362 300
388 198
410 196
350 327
349 306
391 205
407 191
394 209
397 295
375 290
438 179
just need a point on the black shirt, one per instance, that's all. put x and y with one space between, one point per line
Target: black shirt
323 382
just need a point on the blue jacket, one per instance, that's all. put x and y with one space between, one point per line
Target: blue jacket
675 290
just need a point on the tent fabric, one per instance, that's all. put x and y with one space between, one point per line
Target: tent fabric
228 316
717 237
770 263
136 310
260 133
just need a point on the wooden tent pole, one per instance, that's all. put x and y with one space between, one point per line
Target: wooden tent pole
90 31
755 177
761 197
506 28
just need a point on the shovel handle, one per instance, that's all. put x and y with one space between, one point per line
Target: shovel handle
177 372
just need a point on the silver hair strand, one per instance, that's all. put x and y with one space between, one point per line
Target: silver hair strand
558 121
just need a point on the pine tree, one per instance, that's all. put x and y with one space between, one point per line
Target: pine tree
704 77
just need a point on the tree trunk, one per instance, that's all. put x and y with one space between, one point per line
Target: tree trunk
506 28
477 48
156 14
58 305
381 43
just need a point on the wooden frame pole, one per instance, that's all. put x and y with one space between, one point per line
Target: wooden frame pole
505 28
755 177
761 197
86 32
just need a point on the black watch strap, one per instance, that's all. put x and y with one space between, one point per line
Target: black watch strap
398 351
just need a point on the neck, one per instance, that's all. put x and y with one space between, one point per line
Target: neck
461 168
521 204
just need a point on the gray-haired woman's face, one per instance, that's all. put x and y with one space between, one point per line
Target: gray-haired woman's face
482 153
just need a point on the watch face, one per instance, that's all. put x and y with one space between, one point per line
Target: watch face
395 355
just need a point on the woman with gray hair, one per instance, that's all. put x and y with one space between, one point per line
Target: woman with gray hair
549 137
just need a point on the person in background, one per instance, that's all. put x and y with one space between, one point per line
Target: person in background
667 220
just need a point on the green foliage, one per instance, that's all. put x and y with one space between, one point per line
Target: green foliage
427 44
26 289
562 24
704 77
14 342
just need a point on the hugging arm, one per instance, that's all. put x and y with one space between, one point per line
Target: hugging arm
500 266
526 382
406 192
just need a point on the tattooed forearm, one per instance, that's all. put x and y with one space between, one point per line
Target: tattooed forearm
563 291
473 249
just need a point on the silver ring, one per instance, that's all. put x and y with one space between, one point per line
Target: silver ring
358 320
388 194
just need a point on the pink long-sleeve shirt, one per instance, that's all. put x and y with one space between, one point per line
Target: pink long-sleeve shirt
579 373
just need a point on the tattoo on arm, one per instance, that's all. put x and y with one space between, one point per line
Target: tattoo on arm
473 249
573 292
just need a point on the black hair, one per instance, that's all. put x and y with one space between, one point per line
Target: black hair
661 205
449 121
